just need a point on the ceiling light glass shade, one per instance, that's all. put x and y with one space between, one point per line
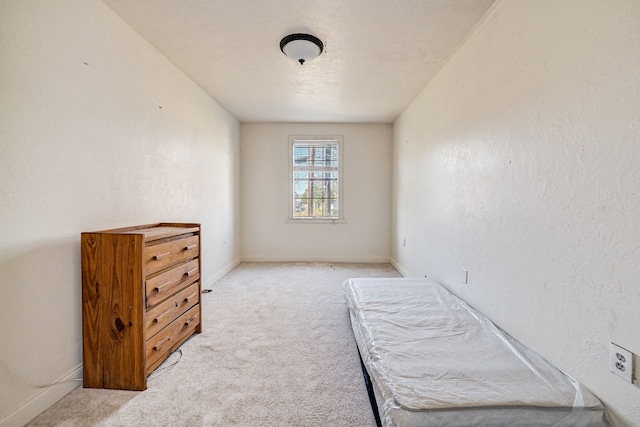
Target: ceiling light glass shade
301 47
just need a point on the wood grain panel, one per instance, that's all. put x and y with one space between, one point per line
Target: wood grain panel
91 310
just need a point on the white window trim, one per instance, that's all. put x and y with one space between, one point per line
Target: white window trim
320 139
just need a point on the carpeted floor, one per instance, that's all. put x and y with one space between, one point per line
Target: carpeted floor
276 350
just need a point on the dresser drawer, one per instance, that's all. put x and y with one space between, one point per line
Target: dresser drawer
171 336
166 283
168 310
158 257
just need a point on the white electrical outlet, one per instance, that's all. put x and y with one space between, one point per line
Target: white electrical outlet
465 276
621 362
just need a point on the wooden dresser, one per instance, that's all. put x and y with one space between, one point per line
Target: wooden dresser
140 300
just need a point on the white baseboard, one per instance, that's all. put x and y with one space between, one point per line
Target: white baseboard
329 258
399 267
207 284
43 399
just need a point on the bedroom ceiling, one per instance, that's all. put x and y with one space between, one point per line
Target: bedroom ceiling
379 54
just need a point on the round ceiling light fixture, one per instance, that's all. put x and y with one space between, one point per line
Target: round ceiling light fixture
301 47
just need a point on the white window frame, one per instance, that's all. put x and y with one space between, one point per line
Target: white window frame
319 140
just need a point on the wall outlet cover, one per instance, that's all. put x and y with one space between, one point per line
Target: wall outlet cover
621 362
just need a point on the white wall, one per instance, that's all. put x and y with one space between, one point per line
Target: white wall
519 162
366 202
97 130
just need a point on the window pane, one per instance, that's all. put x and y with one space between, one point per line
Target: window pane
301 155
300 191
315 155
316 194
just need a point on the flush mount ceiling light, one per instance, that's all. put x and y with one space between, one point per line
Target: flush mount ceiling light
301 47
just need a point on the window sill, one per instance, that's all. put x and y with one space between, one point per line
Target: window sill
315 221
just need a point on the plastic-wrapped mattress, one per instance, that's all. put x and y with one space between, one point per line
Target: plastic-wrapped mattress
434 360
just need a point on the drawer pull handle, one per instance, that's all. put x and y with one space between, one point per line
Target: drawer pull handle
159 288
160 256
188 298
161 343
188 248
189 321
191 272
160 316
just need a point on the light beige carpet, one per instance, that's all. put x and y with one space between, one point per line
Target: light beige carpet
276 350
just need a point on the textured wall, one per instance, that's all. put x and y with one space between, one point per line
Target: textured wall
519 162
97 130
366 202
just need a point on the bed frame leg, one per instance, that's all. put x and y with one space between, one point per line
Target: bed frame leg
372 397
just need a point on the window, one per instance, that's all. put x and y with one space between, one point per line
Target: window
315 165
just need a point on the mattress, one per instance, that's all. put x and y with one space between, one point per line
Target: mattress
434 360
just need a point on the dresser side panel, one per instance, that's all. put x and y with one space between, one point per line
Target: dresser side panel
92 288
122 339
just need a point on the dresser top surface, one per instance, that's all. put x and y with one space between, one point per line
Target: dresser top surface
156 231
